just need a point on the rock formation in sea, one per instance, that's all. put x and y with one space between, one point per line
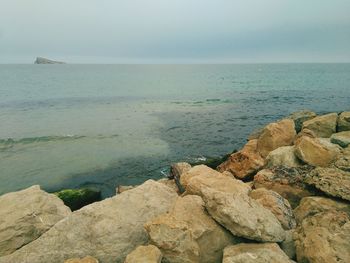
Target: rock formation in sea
284 197
41 60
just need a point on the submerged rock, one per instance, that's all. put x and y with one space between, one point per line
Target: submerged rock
107 230
344 121
300 117
341 138
26 215
77 198
144 254
323 126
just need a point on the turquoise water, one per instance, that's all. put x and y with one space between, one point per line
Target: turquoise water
103 125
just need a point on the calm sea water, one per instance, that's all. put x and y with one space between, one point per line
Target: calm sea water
103 125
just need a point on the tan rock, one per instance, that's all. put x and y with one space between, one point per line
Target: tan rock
245 162
344 121
145 254
87 259
315 151
331 181
123 188
341 138
283 156
255 253
343 160
25 215
188 234
107 230
323 238
275 135
300 117
279 206
177 169
169 183
323 126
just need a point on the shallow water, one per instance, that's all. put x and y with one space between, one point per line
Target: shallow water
104 125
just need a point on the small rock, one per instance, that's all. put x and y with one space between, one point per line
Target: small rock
255 253
145 254
77 198
283 156
123 188
288 245
323 126
341 138
344 121
300 117
177 169
87 259
275 135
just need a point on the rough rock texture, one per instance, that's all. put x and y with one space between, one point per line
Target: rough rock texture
316 151
283 156
144 254
25 215
107 230
87 259
331 181
323 238
188 234
177 169
275 135
288 182
255 253
279 206
341 138
242 215
323 126
245 162
344 121
169 183
300 117
343 160
288 245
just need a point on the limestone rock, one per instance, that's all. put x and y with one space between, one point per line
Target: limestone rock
275 135
283 156
245 162
188 234
288 245
331 181
344 121
169 183
177 169
123 188
87 259
145 254
341 138
255 134
279 206
300 117
255 253
25 215
287 181
107 230
343 160
316 151
323 238
323 126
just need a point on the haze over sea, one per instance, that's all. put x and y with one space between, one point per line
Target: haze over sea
66 126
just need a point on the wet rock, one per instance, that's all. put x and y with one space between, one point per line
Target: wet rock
255 253
26 215
188 234
87 259
245 162
107 230
316 151
275 135
341 138
300 117
177 169
288 245
283 156
323 126
145 254
77 198
279 206
332 181
344 121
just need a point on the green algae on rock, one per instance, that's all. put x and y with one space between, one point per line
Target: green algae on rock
77 198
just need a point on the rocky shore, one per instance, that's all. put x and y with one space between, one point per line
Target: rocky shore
284 197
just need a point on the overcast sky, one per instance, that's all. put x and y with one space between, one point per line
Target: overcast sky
175 31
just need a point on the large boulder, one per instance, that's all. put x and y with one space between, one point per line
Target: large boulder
344 121
255 253
25 215
187 234
332 181
287 181
316 151
279 206
275 135
245 162
145 254
283 156
324 238
300 117
107 230
341 138
323 126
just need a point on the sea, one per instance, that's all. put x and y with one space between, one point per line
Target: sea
74 126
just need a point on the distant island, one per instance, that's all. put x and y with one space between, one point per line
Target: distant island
41 60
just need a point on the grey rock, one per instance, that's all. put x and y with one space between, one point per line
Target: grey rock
344 121
300 117
341 138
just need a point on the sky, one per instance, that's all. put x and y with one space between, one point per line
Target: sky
175 31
